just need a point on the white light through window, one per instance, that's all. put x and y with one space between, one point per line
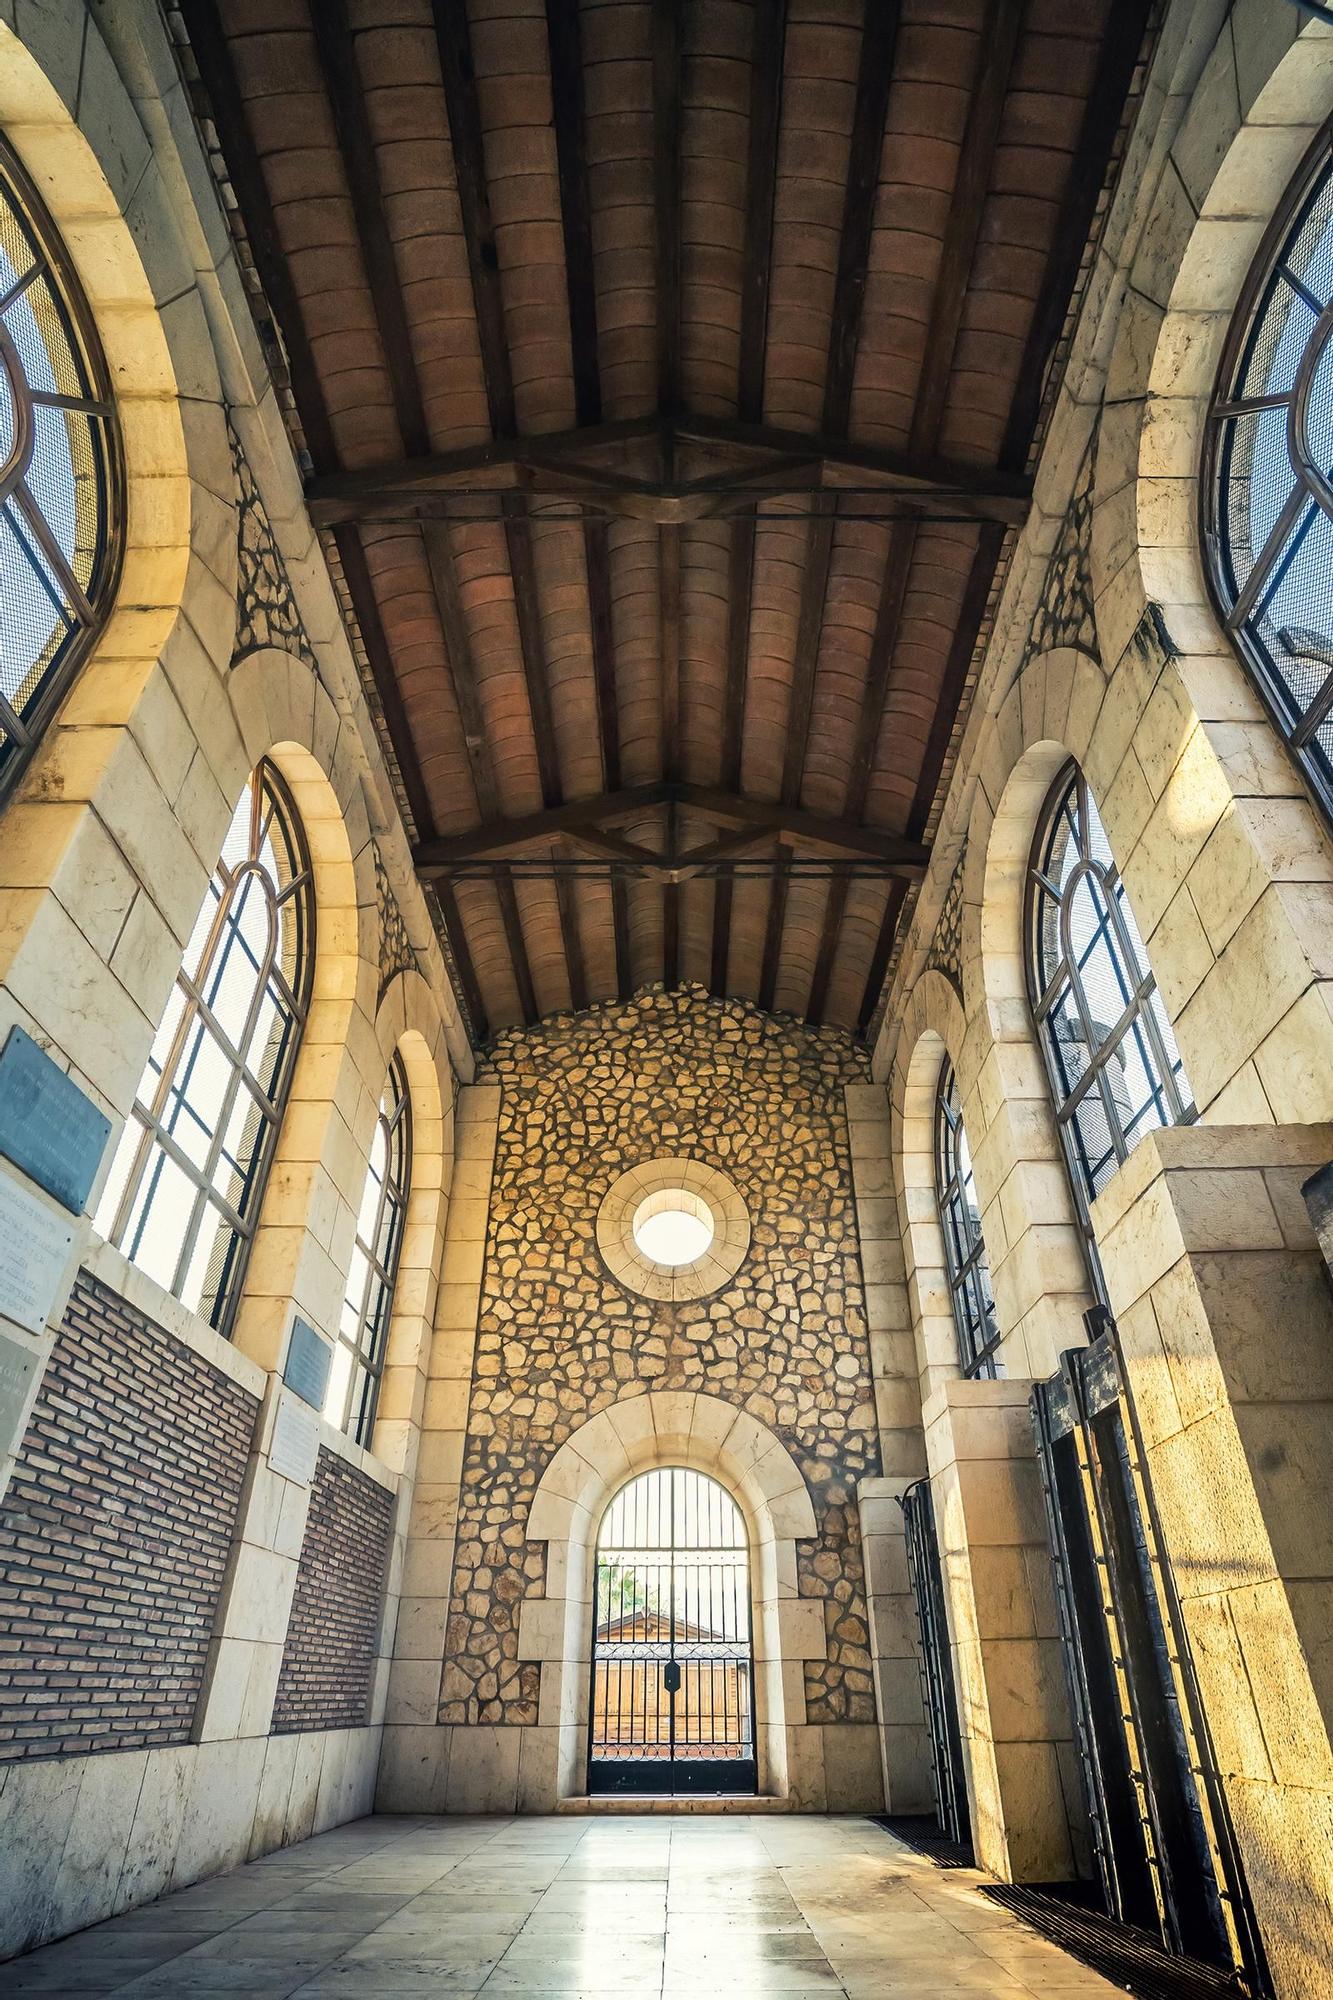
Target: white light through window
673 1227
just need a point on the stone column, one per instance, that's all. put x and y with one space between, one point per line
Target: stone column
903 1739
895 1659
414 1768
1013 1708
1226 1324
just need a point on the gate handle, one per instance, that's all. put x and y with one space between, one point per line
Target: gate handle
671 1676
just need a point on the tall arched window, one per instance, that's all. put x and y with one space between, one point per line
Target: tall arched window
964 1249
358 1357
61 483
1113 1062
1268 472
183 1198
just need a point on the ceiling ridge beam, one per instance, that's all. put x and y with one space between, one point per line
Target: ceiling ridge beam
458 654
565 53
997 48
667 114
1121 46
336 49
212 52
874 79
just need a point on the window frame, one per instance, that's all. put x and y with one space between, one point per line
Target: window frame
368 1345
1234 608
87 611
977 1357
1045 992
241 1217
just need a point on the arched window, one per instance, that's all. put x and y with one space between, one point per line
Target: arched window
1113 1062
964 1249
358 1357
183 1198
61 484
1268 472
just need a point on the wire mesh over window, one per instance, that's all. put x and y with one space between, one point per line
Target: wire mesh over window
183 1198
964 1249
363 1332
61 484
1114 1066
1268 473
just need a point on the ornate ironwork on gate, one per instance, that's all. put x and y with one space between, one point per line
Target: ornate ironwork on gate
1165 1851
672 1706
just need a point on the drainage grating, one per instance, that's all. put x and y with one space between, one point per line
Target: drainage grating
922 1832
1132 1959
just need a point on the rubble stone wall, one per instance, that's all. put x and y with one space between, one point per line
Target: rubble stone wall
583 1098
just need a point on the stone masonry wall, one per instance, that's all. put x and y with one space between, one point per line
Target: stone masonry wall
583 1099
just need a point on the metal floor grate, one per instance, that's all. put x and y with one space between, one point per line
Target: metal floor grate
1130 1958
922 1832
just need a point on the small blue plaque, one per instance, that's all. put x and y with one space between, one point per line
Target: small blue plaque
49 1128
307 1371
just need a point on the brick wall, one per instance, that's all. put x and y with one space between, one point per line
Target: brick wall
114 1535
329 1656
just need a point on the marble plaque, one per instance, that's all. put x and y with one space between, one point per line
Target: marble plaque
307 1370
49 1128
295 1443
18 1365
34 1251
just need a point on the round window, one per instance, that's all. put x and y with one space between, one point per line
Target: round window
673 1227
673 1230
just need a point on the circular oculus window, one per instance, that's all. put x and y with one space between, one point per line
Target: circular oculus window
673 1230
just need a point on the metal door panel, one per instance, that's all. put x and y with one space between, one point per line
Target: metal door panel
672 1659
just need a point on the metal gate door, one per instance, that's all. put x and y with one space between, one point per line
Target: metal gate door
672 1661
1161 1831
937 1682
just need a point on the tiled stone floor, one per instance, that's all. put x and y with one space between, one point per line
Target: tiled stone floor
672 1905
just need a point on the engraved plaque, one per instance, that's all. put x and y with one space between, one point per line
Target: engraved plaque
49 1128
307 1371
295 1443
34 1250
18 1365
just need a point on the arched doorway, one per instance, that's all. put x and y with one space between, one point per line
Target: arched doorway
672 1706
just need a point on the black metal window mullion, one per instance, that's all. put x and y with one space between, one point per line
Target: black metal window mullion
145 1211
364 1330
964 1247
1271 421
62 483
1081 931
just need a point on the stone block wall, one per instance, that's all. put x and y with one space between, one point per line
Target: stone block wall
328 1659
558 1339
115 1536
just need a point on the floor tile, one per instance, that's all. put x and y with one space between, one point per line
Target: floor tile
672 1909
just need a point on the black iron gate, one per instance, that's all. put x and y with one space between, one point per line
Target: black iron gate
1161 1831
672 1666
937 1682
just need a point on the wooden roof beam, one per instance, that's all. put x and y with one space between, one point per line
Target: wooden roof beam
564 44
342 81
997 48
585 821
785 462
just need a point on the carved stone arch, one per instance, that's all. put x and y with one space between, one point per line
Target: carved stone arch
933 1028
1238 146
705 1434
408 1024
94 167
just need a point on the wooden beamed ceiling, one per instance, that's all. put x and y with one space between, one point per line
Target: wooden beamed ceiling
669 372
